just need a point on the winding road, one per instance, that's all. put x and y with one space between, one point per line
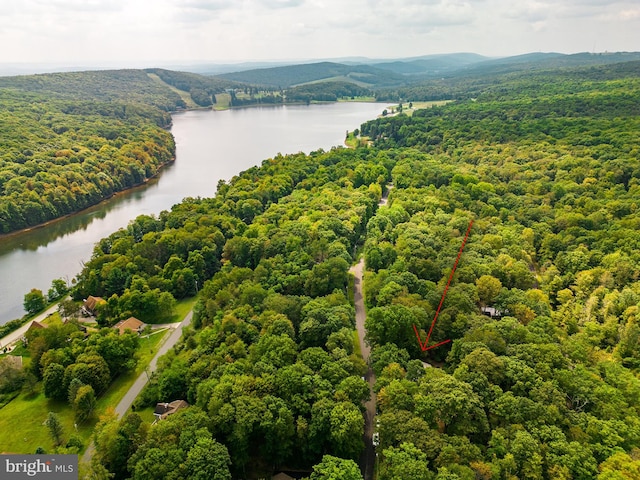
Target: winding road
368 457
143 379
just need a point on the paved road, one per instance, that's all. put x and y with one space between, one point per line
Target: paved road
19 333
385 195
368 457
141 381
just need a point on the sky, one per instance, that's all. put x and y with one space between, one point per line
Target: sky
145 33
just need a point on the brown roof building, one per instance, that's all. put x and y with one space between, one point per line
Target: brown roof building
35 325
90 304
131 323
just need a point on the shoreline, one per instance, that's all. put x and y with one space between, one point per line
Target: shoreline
53 221
143 184
283 104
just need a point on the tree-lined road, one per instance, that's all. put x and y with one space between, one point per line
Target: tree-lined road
127 400
368 457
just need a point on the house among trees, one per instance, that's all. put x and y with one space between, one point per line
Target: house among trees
90 305
131 323
163 410
35 325
282 476
492 312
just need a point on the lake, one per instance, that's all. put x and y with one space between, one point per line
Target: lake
210 145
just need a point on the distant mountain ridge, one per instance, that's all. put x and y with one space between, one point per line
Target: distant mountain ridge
292 75
389 73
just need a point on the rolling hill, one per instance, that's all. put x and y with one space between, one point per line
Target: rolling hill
289 76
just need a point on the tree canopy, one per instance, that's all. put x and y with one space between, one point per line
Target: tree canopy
545 386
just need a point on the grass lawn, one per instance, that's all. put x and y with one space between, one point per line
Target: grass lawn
21 420
223 101
146 414
182 308
22 428
148 348
420 105
358 99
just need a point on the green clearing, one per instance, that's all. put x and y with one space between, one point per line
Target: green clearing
353 142
338 78
26 413
182 308
223 101
185 96
146 414
420 105
22 428
362 99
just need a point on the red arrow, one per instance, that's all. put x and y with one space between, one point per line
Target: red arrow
423 346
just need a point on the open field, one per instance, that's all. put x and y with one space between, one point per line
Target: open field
22 428
223 101
420 105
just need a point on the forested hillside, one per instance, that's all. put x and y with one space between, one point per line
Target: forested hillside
292 75
526 74
547 388
201 89
326 92
70 140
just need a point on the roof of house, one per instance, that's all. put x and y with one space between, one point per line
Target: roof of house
163 410
36 325
282 476
491 311
131 323
91 302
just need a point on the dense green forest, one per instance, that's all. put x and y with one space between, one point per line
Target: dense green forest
68 141
326 92
525 74
546 389
550 173
71 140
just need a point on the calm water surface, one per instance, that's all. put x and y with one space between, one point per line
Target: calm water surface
209 146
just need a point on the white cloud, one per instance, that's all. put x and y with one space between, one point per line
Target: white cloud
278 4
630 14
210 4
235 30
